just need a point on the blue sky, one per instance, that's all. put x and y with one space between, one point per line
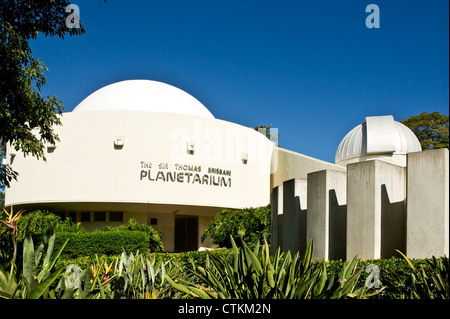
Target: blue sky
312 68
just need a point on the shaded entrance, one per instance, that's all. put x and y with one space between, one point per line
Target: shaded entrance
186 233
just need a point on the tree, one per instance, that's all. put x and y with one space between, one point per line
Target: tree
26 117
252 225
265 130
430 128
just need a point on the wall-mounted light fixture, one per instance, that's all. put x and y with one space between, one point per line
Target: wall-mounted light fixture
244 157
190 147
119 142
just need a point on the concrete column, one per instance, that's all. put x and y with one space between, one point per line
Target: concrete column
276 216
366 182
325 219
294 215
428 204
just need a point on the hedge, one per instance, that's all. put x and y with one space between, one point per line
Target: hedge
102 243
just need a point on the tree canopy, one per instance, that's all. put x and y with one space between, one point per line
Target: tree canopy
252 225
430 128
265 130
26 117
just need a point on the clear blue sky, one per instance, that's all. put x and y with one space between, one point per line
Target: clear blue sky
311 68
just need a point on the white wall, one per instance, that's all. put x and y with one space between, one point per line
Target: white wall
87 167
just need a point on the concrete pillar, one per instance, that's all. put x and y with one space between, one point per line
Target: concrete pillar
294 215
276 216
326 221
366 231
428 204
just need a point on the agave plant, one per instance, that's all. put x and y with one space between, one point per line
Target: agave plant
257 275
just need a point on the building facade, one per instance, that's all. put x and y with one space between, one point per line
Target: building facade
147 150
383 195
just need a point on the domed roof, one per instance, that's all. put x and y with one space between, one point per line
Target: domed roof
377 135
143 95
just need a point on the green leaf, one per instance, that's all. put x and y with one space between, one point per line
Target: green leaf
254 260
29 266
178 286
43 286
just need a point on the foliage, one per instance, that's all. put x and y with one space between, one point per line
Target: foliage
37 271
113 242
183 259
128 276
35 224
34 278
430 286
23 110
265 130
2 199
254 275
430 128
251 225
8 236
155 241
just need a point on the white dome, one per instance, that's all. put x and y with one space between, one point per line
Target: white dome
143 95
378 135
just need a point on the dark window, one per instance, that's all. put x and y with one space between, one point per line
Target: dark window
100 216
62 215
153 221
115 216
85 216
73 216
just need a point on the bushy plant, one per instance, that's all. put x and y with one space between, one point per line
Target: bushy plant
251 225
432 284
36 223
107 243
154 243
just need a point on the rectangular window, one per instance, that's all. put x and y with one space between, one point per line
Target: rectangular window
153 221
62 215
116 216
73 216
85 216
100 216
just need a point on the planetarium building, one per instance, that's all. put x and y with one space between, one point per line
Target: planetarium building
147 150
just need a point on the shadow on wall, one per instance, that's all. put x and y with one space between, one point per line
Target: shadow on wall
338 228
291 224
393 225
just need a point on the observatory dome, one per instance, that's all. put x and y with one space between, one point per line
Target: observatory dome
378 136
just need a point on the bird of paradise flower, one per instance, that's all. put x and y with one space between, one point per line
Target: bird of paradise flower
11 220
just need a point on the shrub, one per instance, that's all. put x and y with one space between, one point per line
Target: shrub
251 225
103 243
154 244
36 223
